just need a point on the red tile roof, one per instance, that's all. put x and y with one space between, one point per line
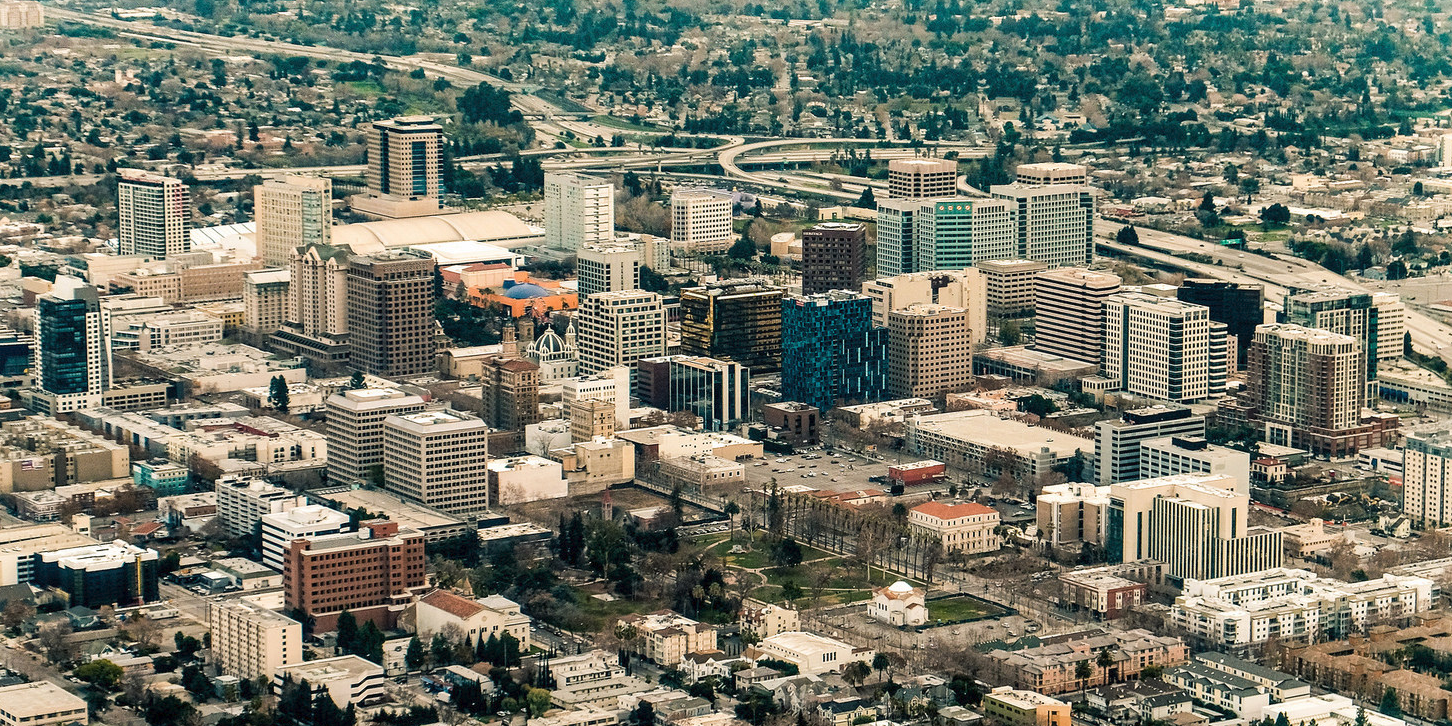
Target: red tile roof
953 511
455 605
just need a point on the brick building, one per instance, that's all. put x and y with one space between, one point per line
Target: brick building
371 572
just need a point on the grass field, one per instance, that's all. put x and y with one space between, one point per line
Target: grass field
365 88
959 609
598 613
622 124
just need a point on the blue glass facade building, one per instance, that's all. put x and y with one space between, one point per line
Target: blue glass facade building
831 353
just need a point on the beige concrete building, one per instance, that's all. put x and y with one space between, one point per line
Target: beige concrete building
922 178
591 418
956 288
579 210
1197 524
1069 309
252 642
1074 512
899 604
619 328
1052 172
316 325
41 703
665 637
291 212
1013 707
1009 286
477 619
404 159
930 351
355 430
155 214
391 313
764 619
812 654
437 458
265 300
965 527
701 220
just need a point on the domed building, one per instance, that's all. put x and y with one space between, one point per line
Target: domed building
556 357
899 604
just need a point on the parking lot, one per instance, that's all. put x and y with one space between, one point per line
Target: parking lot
831 471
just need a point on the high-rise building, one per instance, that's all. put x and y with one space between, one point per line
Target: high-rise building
619 328
155 214
405 159
956 232
1427 479
1197 524
1161 347
242 502
701 220
1170 455
591 418
1352 313
1069 304
369 573
355 431
1051 172
391 313
1117 441
266 295
1009 287
928 351
714 390
834 257
1308 386
1054 222
611 385
579 210
1239 305
1391 325
280 529
291 212
436 458
895 253
510 392
250 641
922 178
73 356
832 350
317 313
607 267
738 320
954 288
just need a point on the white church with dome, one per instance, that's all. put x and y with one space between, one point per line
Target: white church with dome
899 604
556 357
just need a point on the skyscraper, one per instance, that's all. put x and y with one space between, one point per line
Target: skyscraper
738 320
291 212
954 233
1308 387
895 255
831 351
607 267
405 156
1054 222
1161 348
355 431
1117 441
1051 172
1427 479
1070 312
1009 287
579 210
922 178
834 257
928 351
955 288
1377 320
619 328
73 360
265 300
437 458
1239 305
701 220
316 327
391 313
155 214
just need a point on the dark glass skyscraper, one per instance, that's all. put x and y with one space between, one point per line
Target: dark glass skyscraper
831 353
73 358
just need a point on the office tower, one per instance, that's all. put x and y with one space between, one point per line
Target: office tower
73 360
579 210
928 351
266 297
510 392
1051 172
405 156
1240 306
155 214
895 254
1197 524
115 573
1427 479
280 529
1160 348
250 641
954 233
607 267
1308 387
291 212
354 426
317 316
391 313
834 257
369 573
1357 314
1070 312
831 350
1391 325
619 328
1117 442
436 458
737 320
17 361
1009 287
242 502
922 178
1055 222
1170 455
701 220
714 390
591 418
954 288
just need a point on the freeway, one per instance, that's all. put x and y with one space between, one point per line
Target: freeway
729 156
1429 336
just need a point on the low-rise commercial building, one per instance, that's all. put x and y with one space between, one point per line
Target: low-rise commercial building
812 654
41 703
1106 595
347 679
964 439
1016 707
966 527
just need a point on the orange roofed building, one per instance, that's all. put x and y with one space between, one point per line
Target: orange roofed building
523 295
966 527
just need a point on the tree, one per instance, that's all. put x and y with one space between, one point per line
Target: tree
742 249
169 711
869 201
16 612
1037 405
1082 671
100 673
1128 235
786 553
277 396
441 652
414 658
1278 214
197 683
881 663
1104 660
538 700
356 382
1396 270
1009 331
643 715
54 640
1418 189
1389 704
856 672
347 638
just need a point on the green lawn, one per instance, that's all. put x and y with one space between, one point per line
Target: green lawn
598 613
622 124
958 609
366 88
846 575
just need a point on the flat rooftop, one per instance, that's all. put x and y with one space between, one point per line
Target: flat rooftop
985 428
29 701
408 514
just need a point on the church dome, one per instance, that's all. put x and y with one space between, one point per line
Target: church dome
526 291
550 347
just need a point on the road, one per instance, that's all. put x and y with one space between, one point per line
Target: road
731 167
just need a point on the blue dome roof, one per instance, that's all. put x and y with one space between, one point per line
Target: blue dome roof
526 291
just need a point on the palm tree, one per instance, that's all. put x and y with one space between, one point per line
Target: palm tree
732 510
1104 660
1082 671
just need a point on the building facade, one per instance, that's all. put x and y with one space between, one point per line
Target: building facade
607 267
834 257
929 351
1054 223
155 214
738 320
966 527
922 178
370 573
956 232
1307 387
265 300
391 313
291 212
73 355
1009 287
701 220
895 253
436 458
1241 306
832 351
355 431
579 210
1161 348
251 642
619 328
1427 479
1069 308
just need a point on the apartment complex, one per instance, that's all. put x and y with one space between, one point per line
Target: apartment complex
1050 668
316 327
832 351
579 210
73 355
929 351
1069 304
1009 286
1198 525
738 320
291 212
265 299
155 214
834 257
966 527
666 637
701 220
922 178
1162 348
370 573
391 313
250 641
1427 478
619 328
436 458
1307 387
